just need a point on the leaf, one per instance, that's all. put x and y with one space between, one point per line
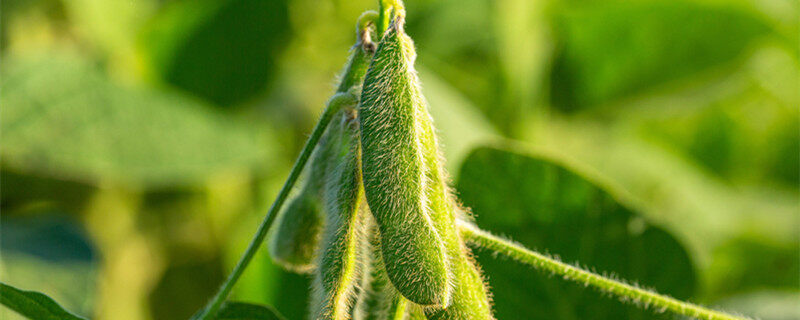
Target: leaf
618 49
63 118
223 51
766 305
246 311
46 241
717 126
33 305
551 206
459 124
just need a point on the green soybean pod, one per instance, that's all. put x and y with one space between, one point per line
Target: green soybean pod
413 252
470 298
295 237
374 285
293 240
378 300
338 269
415 313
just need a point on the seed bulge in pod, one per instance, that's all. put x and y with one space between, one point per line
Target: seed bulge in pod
470 299
372 298
295 237
395 181
344 233
293 240
378 300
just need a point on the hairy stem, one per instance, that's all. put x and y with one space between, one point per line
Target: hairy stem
334 104
625 292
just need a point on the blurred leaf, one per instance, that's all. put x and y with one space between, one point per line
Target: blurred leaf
264 281
673 191
184 287
51 236
223 51
750 263
459 125
470 65
20 190
549 205
110 25
745 127
611 50
37 242
62 118
25 23
766 305
33 305
245 311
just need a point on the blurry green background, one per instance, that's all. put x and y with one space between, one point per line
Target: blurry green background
659 140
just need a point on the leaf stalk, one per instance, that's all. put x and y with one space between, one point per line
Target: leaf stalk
625 292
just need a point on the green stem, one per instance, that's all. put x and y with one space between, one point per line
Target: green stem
623 291
385 12
334 104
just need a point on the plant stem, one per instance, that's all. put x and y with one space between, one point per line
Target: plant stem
334 104
386 9
625 292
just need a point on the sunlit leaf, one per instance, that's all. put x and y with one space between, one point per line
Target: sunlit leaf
63 118
33 305
551 206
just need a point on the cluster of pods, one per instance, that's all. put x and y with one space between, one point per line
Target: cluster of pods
375 222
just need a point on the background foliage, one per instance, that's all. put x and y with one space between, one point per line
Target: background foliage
659 140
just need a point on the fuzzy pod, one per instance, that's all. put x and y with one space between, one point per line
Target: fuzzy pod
378 300
374 288
356 68
295 237
338 272
394 171
470 298
415 313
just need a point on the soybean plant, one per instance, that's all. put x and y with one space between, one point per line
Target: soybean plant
393 245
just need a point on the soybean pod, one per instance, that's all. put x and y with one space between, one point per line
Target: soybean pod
295 237
378 300
338 269
393 162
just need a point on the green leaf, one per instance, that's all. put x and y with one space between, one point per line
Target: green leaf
47 241
766 305
459 124
551 206
246 311
618 49
717 126
33 305
223 51
63 118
